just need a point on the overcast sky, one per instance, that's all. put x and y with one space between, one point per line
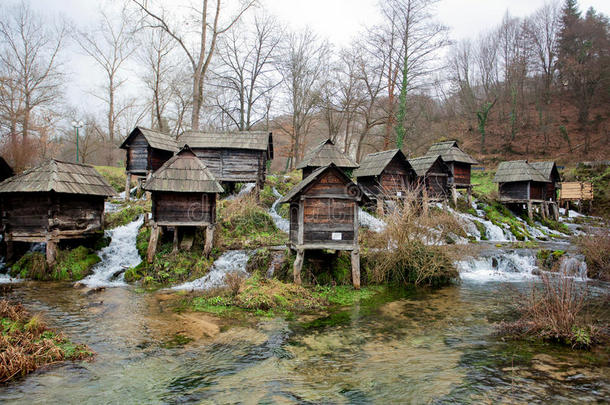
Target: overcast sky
337 20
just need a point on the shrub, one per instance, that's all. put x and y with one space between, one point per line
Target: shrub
554 311
596 248
402 253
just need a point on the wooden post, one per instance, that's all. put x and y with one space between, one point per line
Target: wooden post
209 240
469 196
379 206
127 186
176 237
555 211
152 244
51 252
530 211
544 210
356 268
454 195
425 201
298 265
10 250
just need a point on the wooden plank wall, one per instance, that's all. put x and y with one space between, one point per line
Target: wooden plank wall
233 164
184 207
158 157
77 212
26 212
537 191
437 186
575 190
513 191
137 155
394 178
461 174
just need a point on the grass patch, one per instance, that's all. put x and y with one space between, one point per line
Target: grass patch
115 176
27 344
243 224
72 265
129 213
549 259
482 182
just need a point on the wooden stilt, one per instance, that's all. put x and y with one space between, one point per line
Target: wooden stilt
51 252
10 250
152 244
544 209
469 196
176 237
356 269
298 265
454 196
127 186
380 206
555 209
209 240
530 211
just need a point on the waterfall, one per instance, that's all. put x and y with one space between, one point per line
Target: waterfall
118 256
232 261
281 223
369 221
498 267
245 190
573 266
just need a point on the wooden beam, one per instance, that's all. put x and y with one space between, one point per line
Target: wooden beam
454 195
127 186
356 268
298 265
176 237
152 244
209 240
530 211
51 252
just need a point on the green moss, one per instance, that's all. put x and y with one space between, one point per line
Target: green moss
482 229
482 182
499 215
259 262
31 265
74 264
129 213
347 295
549 259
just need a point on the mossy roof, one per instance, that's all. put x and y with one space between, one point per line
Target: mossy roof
60 177
450 152
155 139
324 154
184 173
518 170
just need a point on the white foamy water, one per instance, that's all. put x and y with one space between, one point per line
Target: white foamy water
232 261
118 256
111 207
573 267
245 190
6 279
509 267
369 221
131 192
281 223
492 232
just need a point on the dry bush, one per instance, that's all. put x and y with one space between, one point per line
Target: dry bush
555 311
234 282
596 248
404 251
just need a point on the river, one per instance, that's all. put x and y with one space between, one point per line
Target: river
435 346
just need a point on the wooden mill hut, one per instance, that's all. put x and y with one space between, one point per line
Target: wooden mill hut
520 183
433 177
459 163
549 170
57 200
323 155
146 151
183 193
233 157
5 170
385 175
324 215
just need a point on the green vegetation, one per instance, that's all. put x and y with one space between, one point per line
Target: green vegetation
115 176
482 182
27 344
72 265
129 213
243 224
168 268
549 259
498 214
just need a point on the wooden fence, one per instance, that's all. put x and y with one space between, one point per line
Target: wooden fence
576 191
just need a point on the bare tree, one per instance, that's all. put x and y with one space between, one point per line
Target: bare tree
245 74
208 31
301 65
110 45
32 75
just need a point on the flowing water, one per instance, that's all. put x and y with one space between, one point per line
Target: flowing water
232 261
117 257
424 347
281 223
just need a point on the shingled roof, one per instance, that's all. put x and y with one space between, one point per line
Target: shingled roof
155 139
518 170
61 177
253 140
373 164
450 152
422 164
324 154
313 176
184 173
546 168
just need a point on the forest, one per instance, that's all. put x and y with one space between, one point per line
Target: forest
533 86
